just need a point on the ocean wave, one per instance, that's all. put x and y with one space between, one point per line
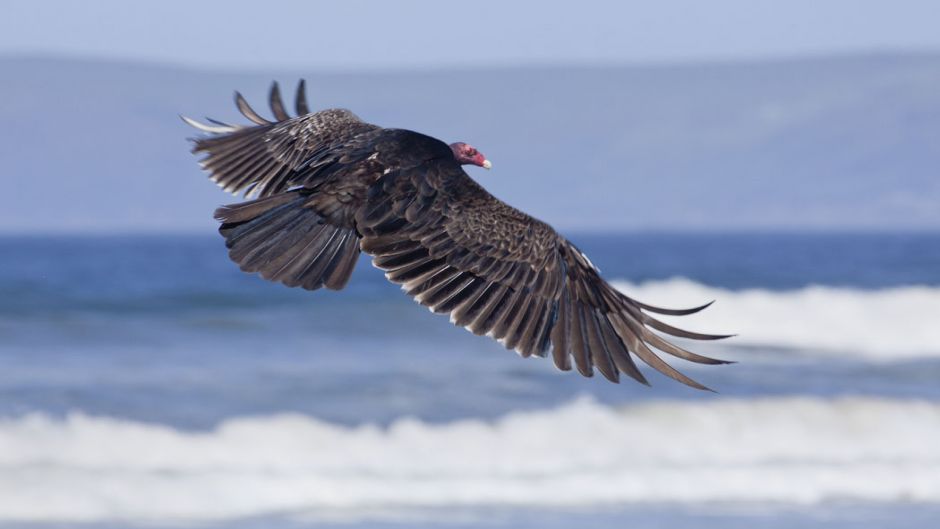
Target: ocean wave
796 450
891 323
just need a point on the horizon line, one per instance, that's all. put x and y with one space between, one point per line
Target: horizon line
769 60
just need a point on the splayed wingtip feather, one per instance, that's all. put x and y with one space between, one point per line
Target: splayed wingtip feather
218 129
249 112
300 100
672 312
276 103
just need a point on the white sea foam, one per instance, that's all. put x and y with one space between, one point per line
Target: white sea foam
790 450
885 324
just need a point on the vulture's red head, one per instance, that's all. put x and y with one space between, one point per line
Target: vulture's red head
467 154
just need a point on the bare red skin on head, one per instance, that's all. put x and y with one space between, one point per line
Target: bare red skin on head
467 154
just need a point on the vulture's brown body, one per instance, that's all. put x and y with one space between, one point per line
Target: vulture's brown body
327 185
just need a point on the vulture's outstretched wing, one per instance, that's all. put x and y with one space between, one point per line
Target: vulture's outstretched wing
311 174
270 157
497 271
329 184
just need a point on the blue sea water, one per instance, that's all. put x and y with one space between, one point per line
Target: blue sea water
145 380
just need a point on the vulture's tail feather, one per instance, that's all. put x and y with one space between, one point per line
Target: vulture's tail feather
284 239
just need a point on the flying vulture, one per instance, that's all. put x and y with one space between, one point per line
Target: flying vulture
326 185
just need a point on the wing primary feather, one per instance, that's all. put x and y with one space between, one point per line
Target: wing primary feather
267 179
214 129
620 352
660 365
668 312
233 172
240 163
682 333
663 345
223 124
254 171
249 112
277 104
599 352
300 100
651 359
234 147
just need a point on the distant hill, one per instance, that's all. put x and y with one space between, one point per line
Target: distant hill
834 143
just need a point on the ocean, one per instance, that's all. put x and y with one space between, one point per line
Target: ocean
146 381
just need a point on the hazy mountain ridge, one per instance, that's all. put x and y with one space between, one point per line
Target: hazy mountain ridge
840 143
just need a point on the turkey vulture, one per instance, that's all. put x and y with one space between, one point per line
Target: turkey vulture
327 185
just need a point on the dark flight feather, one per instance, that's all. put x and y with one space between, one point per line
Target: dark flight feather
277 105
300 101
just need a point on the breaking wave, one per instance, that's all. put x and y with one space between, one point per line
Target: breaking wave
796 450
887 324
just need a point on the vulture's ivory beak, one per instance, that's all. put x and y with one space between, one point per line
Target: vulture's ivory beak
487 164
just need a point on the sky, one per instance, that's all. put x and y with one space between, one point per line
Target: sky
427 34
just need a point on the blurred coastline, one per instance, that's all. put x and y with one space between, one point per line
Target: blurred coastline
844 142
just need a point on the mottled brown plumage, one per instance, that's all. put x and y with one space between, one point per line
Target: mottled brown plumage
327 185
